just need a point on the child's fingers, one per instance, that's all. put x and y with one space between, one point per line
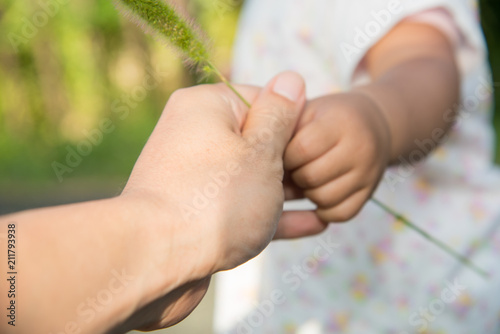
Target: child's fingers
299 224
335 192
346 210
330 166
312 141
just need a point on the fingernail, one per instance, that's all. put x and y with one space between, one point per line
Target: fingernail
289 85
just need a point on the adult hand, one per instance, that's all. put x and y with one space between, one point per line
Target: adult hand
217 168
205 195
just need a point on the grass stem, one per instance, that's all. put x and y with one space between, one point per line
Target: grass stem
224 80
429 237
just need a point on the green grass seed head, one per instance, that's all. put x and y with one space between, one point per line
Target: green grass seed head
161 20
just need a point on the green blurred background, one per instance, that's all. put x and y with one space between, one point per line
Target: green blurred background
61 77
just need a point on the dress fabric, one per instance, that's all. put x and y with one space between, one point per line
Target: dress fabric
373 275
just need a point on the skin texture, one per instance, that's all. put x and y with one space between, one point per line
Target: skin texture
139 261
346 141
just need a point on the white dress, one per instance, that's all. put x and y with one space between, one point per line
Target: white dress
373 275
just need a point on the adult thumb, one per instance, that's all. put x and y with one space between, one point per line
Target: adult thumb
275 113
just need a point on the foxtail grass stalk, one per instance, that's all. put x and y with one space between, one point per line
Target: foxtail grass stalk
160 19
462 259
224 80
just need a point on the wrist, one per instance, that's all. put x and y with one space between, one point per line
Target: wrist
380 120
156 257
175 251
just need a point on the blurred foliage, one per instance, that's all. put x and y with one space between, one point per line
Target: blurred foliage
71 63
490 17
65 66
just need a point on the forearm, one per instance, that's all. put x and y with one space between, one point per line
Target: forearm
415 83
88 266
415 97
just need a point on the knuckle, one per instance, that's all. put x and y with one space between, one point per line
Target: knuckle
274 117
325 216
179 95
346 214
262 158
249 153
342 213
306 178
351 209
319 197
261 146
300 148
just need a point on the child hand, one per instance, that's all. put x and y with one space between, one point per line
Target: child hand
339 154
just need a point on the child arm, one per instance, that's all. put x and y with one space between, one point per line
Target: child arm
346 141
415 84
